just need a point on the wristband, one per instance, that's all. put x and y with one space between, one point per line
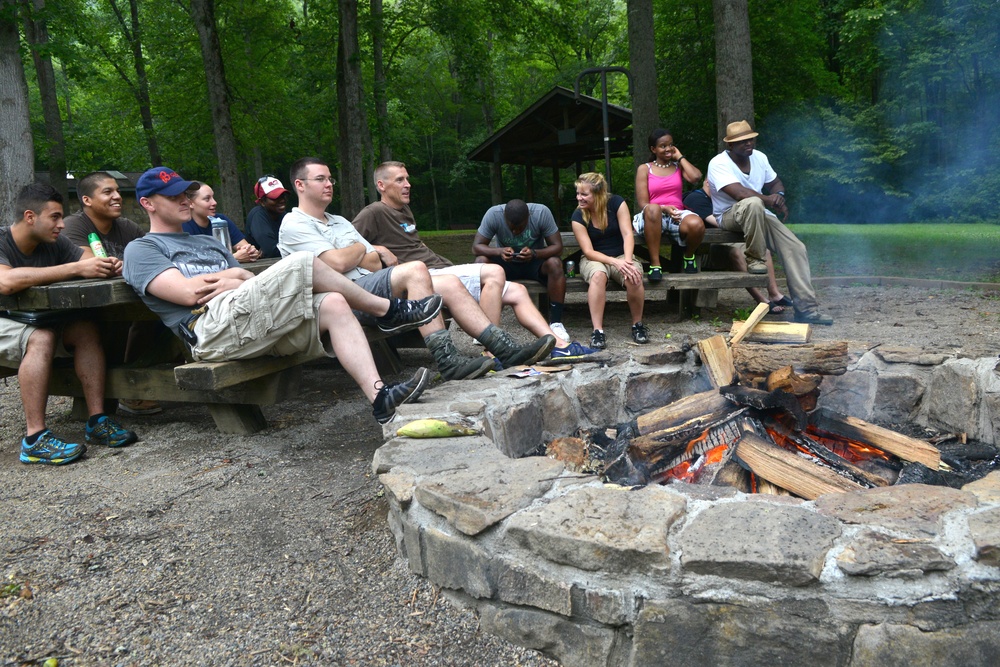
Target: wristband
780 193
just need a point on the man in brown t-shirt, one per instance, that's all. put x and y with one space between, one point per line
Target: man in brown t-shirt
388 225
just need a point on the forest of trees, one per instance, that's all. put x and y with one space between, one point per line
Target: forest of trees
871 110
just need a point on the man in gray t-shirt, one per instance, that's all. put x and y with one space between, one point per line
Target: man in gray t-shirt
224 312
528 247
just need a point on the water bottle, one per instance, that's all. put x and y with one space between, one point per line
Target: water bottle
96 246
220 230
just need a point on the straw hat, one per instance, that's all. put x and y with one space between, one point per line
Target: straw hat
739 131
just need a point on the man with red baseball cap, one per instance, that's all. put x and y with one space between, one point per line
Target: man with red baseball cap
264 219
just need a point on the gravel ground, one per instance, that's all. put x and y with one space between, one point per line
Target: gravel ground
195 548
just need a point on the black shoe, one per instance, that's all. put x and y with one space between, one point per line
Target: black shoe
598 340
813 317
639 333
690 264
411 314
391 396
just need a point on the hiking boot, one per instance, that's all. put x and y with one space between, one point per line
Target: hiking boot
453 364
690 264
598 340
50 450
391 396
655 274
639 333
410 314
110 433
813 317
757 267
560 331
510 354
137 406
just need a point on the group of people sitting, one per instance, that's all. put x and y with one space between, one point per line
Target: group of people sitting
333 276
336 275
746 189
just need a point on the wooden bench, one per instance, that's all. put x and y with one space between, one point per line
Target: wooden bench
233 391
685 292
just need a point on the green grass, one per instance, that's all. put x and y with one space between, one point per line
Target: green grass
967 253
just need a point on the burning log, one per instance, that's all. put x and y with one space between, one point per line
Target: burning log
788 380
776 332
756 316
763 400
788 471
709 405
718 360
828 358
905 447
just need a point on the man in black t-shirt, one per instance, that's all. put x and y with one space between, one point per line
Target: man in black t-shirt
33 252
101 214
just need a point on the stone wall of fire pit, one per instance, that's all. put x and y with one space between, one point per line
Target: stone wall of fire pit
695 575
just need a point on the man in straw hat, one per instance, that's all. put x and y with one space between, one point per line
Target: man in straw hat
738 177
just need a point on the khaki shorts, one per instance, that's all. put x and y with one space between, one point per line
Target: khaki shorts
469 274
589 268
272 314
14 341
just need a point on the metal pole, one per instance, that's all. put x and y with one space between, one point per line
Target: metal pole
603 71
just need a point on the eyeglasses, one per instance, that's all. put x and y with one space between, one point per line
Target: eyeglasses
321 180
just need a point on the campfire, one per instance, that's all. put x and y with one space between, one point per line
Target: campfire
759 430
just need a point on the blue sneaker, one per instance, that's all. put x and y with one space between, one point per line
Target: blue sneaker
110 433
572 351
50 450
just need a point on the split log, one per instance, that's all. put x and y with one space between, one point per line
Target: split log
768 489
903 446
788 380
782 468
718 360
776 332
827 358
732 474
708 404
756 316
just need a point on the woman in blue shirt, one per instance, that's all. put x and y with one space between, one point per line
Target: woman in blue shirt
203 207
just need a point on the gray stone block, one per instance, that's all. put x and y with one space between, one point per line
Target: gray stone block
602 605
886 645
456 562
897 397
517 583
776 543
559 416
568 642
870 554
517 429
913 509
952 398
659 355
474 500
600 401
653 390
849 394
677 632
424 456
616 530
985 529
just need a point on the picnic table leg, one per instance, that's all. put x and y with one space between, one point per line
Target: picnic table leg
81 413
237 418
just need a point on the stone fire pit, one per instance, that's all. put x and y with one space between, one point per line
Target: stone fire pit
694 575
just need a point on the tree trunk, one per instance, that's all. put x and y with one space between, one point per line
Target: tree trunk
351 113
381 99
230 194
17 153
733 64
642 63
133 35
37 34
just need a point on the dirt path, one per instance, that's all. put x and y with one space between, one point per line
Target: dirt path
195 548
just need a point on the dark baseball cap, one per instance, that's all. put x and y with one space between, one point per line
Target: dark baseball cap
163 181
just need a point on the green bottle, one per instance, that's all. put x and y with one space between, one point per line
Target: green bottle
96 246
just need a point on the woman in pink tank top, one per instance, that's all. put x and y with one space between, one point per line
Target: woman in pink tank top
659 189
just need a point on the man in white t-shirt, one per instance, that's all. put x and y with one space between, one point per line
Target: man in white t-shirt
738 178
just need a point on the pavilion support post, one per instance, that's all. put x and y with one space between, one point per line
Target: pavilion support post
496 177
529 182
555 193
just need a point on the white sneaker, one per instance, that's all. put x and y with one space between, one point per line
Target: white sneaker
560 331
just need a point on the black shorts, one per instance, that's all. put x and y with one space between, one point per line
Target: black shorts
522 270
